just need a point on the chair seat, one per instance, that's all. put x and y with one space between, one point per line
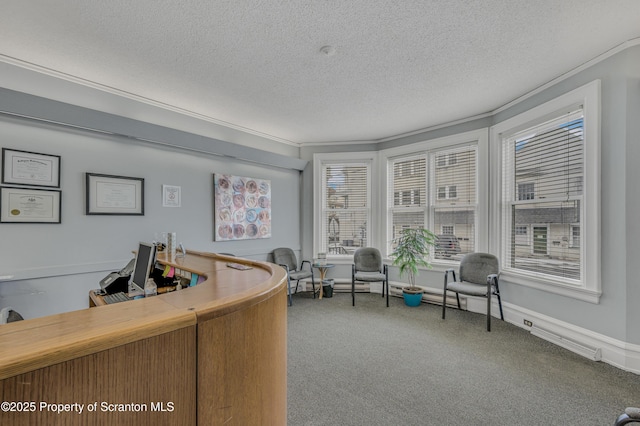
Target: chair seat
298 275
370 276
468 288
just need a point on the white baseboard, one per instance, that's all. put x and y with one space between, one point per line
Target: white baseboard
587 343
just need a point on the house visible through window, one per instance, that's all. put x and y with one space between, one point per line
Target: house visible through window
545 163
346 207
526 191
447 230
407 175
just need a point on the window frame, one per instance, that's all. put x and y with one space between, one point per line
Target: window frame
320 160
478 138
589 288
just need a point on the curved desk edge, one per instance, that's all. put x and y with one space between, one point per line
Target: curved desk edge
41 342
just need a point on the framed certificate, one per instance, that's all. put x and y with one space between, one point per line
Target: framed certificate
30 168
171 196
21 205
117 195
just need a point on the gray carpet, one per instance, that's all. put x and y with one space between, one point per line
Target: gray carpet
371 365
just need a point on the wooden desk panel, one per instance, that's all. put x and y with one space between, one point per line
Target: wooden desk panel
145 373
41 342
234 322
247 348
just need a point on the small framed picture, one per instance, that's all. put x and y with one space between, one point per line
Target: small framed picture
22 205
171 196
115 195
30 168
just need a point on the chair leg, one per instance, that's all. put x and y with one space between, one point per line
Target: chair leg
500 306
497 293
353 293
489 311
289 291
313 283
444 297
387 284
458 299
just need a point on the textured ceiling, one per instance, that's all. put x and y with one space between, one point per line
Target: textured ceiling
398 67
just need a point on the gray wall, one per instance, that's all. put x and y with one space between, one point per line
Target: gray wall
617 314
55 265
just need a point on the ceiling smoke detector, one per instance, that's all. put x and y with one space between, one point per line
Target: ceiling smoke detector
328 50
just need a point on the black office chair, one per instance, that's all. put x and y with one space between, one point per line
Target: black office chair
286 258
630 415
478 277
367 267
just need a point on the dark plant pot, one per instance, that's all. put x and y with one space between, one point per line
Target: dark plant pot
412 297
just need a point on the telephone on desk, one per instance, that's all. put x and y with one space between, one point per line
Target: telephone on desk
118 281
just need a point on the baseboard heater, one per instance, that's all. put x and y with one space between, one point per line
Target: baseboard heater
592 353
343 285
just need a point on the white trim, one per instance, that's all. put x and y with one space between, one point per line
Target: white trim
137 98
615 352
319 160
479 138
587 96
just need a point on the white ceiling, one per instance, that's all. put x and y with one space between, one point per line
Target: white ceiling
399 65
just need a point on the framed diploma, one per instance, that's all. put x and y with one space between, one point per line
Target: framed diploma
30 168
21 205
117 195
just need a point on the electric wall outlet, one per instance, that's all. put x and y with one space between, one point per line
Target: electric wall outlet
528 323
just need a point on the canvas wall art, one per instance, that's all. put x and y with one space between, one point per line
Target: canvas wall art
242 208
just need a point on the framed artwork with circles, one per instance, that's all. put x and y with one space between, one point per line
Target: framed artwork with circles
242 208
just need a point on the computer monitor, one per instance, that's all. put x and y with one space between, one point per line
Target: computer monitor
145 259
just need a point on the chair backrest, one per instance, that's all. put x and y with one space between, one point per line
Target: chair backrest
474 267
368 259
285 256
8 315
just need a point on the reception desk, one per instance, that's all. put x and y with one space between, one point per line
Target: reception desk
211 354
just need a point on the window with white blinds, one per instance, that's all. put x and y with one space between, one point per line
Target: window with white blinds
453 207
346 208
450 176
543 174
407 196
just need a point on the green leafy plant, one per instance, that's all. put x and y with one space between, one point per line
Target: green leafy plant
411 251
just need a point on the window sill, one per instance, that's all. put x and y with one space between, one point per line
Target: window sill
562 289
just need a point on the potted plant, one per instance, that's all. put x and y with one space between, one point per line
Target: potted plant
411 252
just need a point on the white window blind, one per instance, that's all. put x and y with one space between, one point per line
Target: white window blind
439 194
543 170
346 208
454 201
408 194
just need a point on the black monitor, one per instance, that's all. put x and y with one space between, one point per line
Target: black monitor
145 259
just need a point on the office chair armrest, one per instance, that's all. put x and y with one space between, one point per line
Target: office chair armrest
306 261
492 284
446 275
286 268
